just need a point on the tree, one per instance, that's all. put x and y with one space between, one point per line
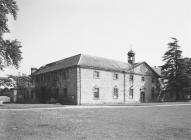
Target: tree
187 62
10 53
21 81
174 71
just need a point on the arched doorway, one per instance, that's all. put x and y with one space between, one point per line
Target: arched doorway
142 97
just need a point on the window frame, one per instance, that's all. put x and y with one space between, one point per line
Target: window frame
96 74
152 93
65 92
142 78
153 80
96 93
115 76
131 93
131 77
115 92
65 74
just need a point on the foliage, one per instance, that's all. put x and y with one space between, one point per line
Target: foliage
7 83
187 62
10 53
21 81
174 71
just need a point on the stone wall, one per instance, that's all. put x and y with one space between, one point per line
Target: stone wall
80 84
106 83
57 86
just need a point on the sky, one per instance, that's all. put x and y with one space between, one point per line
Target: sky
51 30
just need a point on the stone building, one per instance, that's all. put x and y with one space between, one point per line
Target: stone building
83 79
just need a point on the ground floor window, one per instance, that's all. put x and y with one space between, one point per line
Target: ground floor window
65 92
96 92
131 93
152 93
115 93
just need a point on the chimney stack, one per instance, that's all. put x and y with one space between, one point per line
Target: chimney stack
33 70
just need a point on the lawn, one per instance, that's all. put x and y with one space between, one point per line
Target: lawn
149 123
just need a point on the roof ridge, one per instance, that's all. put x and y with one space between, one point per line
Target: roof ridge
56 62
79 59
144 62
101 57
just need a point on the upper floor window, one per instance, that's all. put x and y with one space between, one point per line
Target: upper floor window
65 74
96 74
153 80
130 93
131 77
96 92
48 76
115 92
115 76
143 79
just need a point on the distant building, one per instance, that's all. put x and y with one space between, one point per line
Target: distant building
83 79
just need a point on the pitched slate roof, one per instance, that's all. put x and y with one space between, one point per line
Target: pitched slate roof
87 61
61 64
103 63
84 61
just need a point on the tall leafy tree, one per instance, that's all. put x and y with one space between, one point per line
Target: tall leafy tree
174 70
187 62
10 53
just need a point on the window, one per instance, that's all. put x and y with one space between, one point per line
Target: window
131 93
32 94
115 93
65 92
115 76
131 77
96 93
153 80
48 76
38 78
65 74
96 74
143 79
152 92
56 93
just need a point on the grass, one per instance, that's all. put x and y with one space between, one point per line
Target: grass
25 106
152 123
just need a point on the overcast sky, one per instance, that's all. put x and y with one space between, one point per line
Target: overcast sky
50 30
